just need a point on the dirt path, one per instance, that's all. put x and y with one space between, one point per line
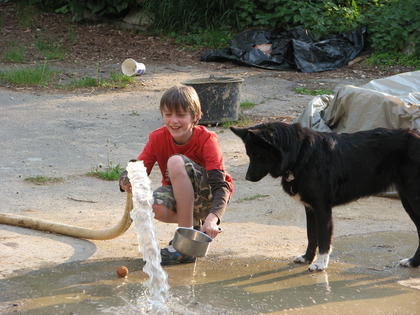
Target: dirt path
66 135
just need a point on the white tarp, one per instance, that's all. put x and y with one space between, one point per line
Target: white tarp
392 102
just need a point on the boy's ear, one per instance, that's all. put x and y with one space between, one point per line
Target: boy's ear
197 118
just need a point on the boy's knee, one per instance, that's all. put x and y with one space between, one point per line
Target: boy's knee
159 211
176 165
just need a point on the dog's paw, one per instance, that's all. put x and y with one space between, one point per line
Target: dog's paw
301 260
317 267
406 263
321 263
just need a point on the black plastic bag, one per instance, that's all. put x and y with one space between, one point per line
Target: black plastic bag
291 50
243 50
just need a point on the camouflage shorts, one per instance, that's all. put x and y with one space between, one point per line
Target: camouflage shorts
202 194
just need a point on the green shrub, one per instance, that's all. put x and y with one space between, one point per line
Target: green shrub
50 5
186 16
321 17
394 26
108 8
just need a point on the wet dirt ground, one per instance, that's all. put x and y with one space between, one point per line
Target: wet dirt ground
359 284
67 135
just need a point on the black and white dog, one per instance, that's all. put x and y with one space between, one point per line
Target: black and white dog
322 170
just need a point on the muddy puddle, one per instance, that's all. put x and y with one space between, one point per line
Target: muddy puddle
362 279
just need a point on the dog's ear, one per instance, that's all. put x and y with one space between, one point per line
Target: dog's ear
260 136
240 132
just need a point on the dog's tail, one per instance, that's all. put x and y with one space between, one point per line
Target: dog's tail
414 146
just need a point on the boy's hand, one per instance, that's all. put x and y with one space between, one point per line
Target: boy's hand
210 226
125 184
126 187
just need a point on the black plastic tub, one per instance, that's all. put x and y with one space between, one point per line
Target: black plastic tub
219 98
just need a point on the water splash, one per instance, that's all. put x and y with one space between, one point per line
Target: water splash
142 215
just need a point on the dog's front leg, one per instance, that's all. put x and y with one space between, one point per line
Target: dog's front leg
312 234
325 229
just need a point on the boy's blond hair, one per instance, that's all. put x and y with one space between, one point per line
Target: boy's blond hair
181 97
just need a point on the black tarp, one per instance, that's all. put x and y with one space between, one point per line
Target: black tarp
291 50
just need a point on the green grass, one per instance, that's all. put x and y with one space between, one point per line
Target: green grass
83 82
13 52
40 75
115 80
72 36
118 80
109 173
227 124
51 47
43 180
211 38
388 60
25 15
257 196
247 105
244 120
305 91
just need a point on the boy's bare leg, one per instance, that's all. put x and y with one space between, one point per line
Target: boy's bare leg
165 214
184 196
183 191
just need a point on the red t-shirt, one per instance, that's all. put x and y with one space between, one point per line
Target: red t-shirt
203 148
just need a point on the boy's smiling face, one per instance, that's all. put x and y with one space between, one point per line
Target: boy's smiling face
180 124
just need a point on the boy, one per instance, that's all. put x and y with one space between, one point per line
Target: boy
195 186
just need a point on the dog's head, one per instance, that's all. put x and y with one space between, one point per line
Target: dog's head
266 155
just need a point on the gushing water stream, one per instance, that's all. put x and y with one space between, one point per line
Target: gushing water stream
157 285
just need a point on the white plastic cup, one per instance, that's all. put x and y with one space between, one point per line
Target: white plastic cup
131 67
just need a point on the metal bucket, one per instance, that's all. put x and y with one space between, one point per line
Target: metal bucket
219 98
191 242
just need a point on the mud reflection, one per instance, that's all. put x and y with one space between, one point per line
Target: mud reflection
220 286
